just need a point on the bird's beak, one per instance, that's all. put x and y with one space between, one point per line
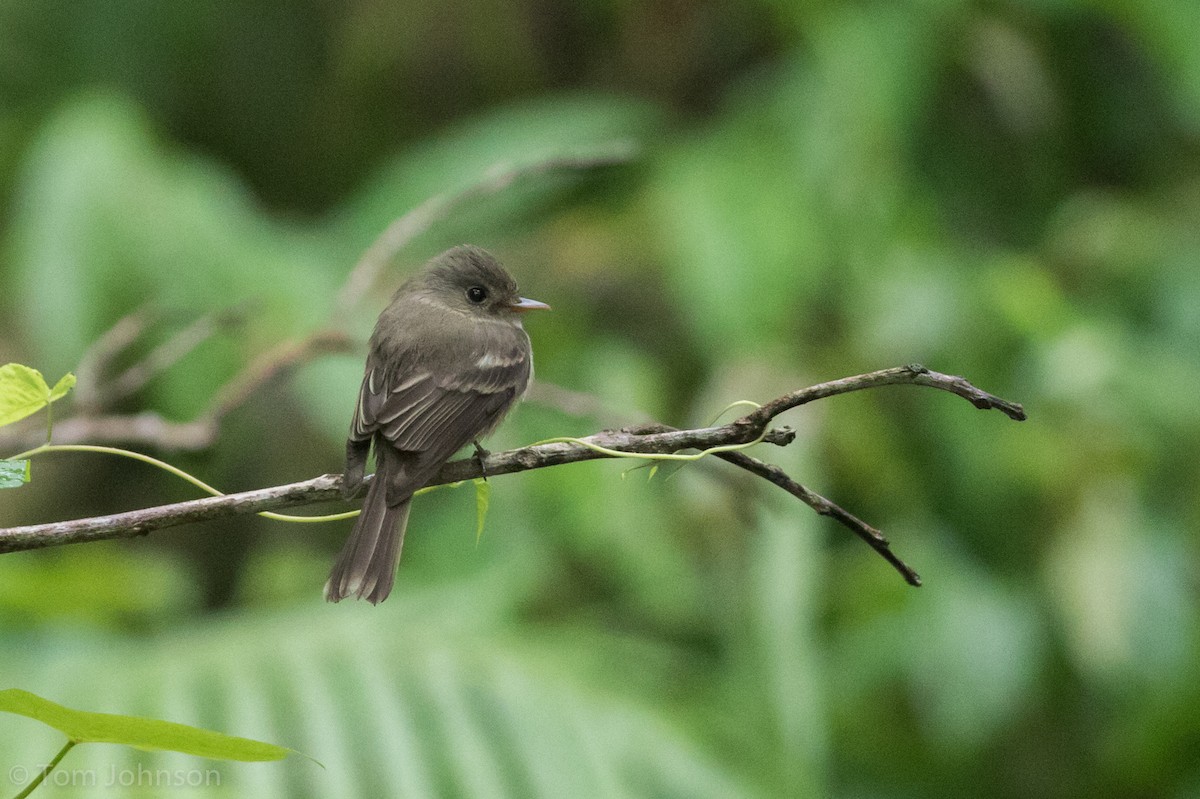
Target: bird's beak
524 304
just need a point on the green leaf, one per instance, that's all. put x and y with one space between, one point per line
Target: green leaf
483 493
149 734
64 384
13 474
23 391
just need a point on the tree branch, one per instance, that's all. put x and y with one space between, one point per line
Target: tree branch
644 439
90 396
912 374
167 354
873 538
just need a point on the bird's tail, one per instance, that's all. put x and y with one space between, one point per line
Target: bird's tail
366 567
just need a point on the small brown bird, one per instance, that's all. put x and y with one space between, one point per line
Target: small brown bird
448 359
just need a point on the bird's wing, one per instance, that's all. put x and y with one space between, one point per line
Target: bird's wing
424 411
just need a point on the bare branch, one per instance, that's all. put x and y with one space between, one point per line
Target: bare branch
270 365
170 352
644 439
823 506
147 429
328 487
89 374
913 374
139 522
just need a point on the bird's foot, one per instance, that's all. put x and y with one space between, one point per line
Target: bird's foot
480 454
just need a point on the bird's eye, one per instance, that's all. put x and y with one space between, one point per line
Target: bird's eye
477 294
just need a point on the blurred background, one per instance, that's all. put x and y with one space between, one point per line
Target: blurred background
1008 191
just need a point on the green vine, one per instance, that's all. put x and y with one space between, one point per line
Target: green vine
667 456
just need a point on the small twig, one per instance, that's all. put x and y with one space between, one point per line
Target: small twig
170 352
270 365
825 507
90 397
581 403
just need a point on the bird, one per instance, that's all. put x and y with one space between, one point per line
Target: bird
448 358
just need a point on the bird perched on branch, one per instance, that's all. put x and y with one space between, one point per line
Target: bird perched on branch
448 359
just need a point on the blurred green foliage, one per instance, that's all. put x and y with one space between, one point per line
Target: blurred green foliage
1008 191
